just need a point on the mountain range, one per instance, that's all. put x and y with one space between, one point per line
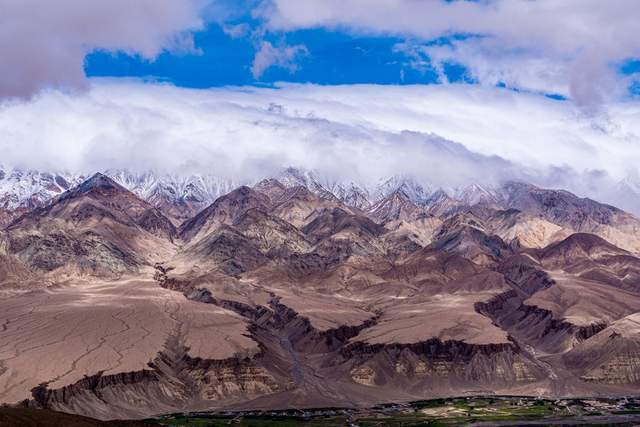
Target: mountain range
130 295
182 195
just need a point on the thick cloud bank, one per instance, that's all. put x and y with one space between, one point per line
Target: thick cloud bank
43 43
568 47
446 135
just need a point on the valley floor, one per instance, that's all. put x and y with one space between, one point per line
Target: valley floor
59 335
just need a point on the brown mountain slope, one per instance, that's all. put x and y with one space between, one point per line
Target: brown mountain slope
517 228
225 210
405 237
579 214
225 249
16 275
590 257
611 356
567 292
98 228
299 206
466 235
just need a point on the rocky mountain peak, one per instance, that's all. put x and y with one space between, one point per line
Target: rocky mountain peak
99 182
396 206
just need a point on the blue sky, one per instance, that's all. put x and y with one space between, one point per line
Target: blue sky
333 57
584 51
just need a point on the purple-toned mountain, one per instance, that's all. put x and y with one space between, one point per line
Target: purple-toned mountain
97 227
288 293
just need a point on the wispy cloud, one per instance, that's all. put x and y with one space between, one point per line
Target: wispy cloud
281 56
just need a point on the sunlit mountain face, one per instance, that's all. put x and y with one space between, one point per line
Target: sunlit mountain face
340 212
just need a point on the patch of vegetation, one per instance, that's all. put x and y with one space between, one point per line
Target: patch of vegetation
435 412
253 421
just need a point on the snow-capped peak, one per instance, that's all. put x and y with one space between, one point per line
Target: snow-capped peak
29 188
416 192
474 194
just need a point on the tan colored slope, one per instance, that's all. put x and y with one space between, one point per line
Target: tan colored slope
224 288
271 234
625 235
466 234
574 213
590 257
443 309
225 250
584 302
529 231
325 312
431 295
80 328
405 237
97 247
416 320
324 301
329 299
15 275
612 356
420 230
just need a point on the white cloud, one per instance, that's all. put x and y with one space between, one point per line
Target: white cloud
568 47
44 43
282 56
362 132
236 31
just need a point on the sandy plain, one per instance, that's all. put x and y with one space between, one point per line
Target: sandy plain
58 335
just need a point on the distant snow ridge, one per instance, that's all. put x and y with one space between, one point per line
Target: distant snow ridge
474 194
158 188
416 192
184 195
29 189
354 194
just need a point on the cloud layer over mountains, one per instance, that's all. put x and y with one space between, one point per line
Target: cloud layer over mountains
445 135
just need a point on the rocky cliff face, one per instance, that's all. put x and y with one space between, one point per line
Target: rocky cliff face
173 382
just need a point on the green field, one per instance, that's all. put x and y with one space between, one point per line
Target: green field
437 412
256 421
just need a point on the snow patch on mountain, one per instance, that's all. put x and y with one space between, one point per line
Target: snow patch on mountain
29 189
182 196
153 187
